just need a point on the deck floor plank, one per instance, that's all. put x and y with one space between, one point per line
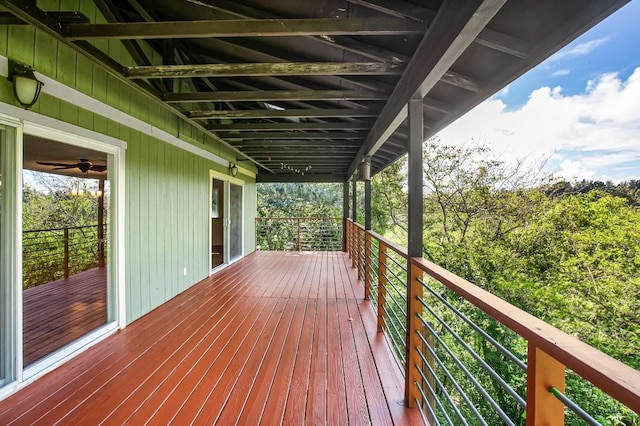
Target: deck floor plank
276 338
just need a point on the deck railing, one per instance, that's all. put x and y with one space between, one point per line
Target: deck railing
51 254
470 357
299 233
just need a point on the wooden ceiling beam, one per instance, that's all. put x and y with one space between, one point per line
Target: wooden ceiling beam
340 42
290 113
247 127
274 95
307 177
294 135
397 8
242 28
263 69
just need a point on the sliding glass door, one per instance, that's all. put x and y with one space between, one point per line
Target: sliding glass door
59 268
235 221
226 221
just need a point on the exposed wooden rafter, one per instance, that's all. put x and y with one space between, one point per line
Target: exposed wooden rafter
242 28
295 135
248 127
291 113
274 95
264 69
397 8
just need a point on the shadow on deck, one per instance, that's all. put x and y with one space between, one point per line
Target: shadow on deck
276 338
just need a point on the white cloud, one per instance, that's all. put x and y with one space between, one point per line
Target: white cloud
592 134
560 73
579 49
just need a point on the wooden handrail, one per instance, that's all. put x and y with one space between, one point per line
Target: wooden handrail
298 218
550 349
610 375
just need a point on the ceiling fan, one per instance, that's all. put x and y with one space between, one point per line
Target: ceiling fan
84 165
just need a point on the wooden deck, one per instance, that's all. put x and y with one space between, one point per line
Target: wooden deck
277 338
59 312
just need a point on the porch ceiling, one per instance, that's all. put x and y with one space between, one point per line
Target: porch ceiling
307 89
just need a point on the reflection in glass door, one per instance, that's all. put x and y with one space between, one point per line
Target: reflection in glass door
235 221
65 235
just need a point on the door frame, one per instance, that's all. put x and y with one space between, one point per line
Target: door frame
31 123
227 180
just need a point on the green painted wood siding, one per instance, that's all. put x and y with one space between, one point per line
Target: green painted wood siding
167 188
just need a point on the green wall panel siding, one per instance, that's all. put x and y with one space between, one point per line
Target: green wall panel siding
4 36
22 51
46 53
166 188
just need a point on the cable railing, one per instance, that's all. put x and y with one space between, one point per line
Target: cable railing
299 233
52 254
471 358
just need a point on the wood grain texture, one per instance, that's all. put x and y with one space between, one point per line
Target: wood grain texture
276 338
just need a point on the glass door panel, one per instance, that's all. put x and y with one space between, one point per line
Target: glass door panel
217 223
65 234
235 221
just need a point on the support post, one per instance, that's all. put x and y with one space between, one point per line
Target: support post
382 283
413 380
354 199
543 372
345 214
414 288
367 205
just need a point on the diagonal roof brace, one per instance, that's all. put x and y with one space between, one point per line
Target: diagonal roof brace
455 27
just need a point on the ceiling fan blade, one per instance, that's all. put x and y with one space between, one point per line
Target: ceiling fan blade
44 163
99 169
65 167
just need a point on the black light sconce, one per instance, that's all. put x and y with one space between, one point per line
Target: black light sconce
26 87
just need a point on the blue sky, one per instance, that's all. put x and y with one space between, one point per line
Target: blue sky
579 109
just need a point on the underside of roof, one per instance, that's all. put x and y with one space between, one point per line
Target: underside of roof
307 89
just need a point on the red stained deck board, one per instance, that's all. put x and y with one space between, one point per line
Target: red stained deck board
276 338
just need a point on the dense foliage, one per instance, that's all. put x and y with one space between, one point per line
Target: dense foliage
568 253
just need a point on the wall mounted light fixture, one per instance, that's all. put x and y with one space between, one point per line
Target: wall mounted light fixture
364 169
26 87
233 169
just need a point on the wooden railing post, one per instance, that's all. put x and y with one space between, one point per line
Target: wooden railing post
354 246
367 266
543 372
298 234
359 253
66 252
382 283
413 342
349 232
